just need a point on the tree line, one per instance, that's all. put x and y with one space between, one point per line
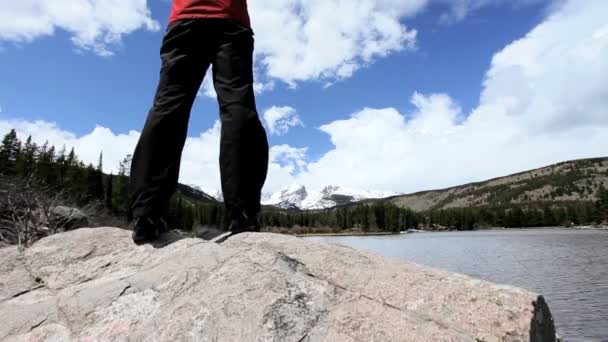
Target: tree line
58 169
531 215
84 184
386 217
376 217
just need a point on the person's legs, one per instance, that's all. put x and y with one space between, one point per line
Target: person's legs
156 161
244 145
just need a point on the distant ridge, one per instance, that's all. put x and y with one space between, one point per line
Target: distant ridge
569 181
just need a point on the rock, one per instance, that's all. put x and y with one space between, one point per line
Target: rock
15 279
68 218
96 285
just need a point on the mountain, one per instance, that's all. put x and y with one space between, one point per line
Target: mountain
219 196
297 197
195 193
570 181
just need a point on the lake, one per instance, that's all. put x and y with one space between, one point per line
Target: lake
569 267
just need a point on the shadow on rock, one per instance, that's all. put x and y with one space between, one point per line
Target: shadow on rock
167 239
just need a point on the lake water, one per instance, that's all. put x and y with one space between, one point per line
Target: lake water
569 267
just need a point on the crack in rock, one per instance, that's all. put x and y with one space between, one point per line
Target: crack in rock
38 324
26 291
124 290
88 254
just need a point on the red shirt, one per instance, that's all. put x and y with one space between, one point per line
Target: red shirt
219 9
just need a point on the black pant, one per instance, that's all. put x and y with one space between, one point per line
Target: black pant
188 48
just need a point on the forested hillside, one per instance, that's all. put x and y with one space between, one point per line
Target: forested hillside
567 182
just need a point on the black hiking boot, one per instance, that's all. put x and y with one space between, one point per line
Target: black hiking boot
244 223
148 229
241 224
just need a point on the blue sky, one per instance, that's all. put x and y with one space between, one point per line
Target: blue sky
63 79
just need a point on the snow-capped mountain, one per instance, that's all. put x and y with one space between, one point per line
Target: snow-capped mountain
219 196
195 192
288 198
296 196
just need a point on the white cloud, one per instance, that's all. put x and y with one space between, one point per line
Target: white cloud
200 160
296 40
262 87
460 9
545 99
301 40
94 25
323 40
285 161
207 89
280 119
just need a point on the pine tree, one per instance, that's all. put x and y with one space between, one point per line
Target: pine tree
71 160
98 175
120 196
188 217
364 219
9 153
179 213
26 162
548 217
602 204
94 184
109 192
51 174
124 167
100 162
60 166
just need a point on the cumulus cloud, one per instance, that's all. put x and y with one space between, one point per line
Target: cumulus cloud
285 162
208 90
545 99
262 87
329 40
94 25
460 9
301 40
552 80
297 40
280 119
324 40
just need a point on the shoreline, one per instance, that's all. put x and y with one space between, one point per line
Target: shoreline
544 228
602 228
588 228
345 234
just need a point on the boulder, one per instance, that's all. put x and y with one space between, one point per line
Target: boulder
96 285
68 218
